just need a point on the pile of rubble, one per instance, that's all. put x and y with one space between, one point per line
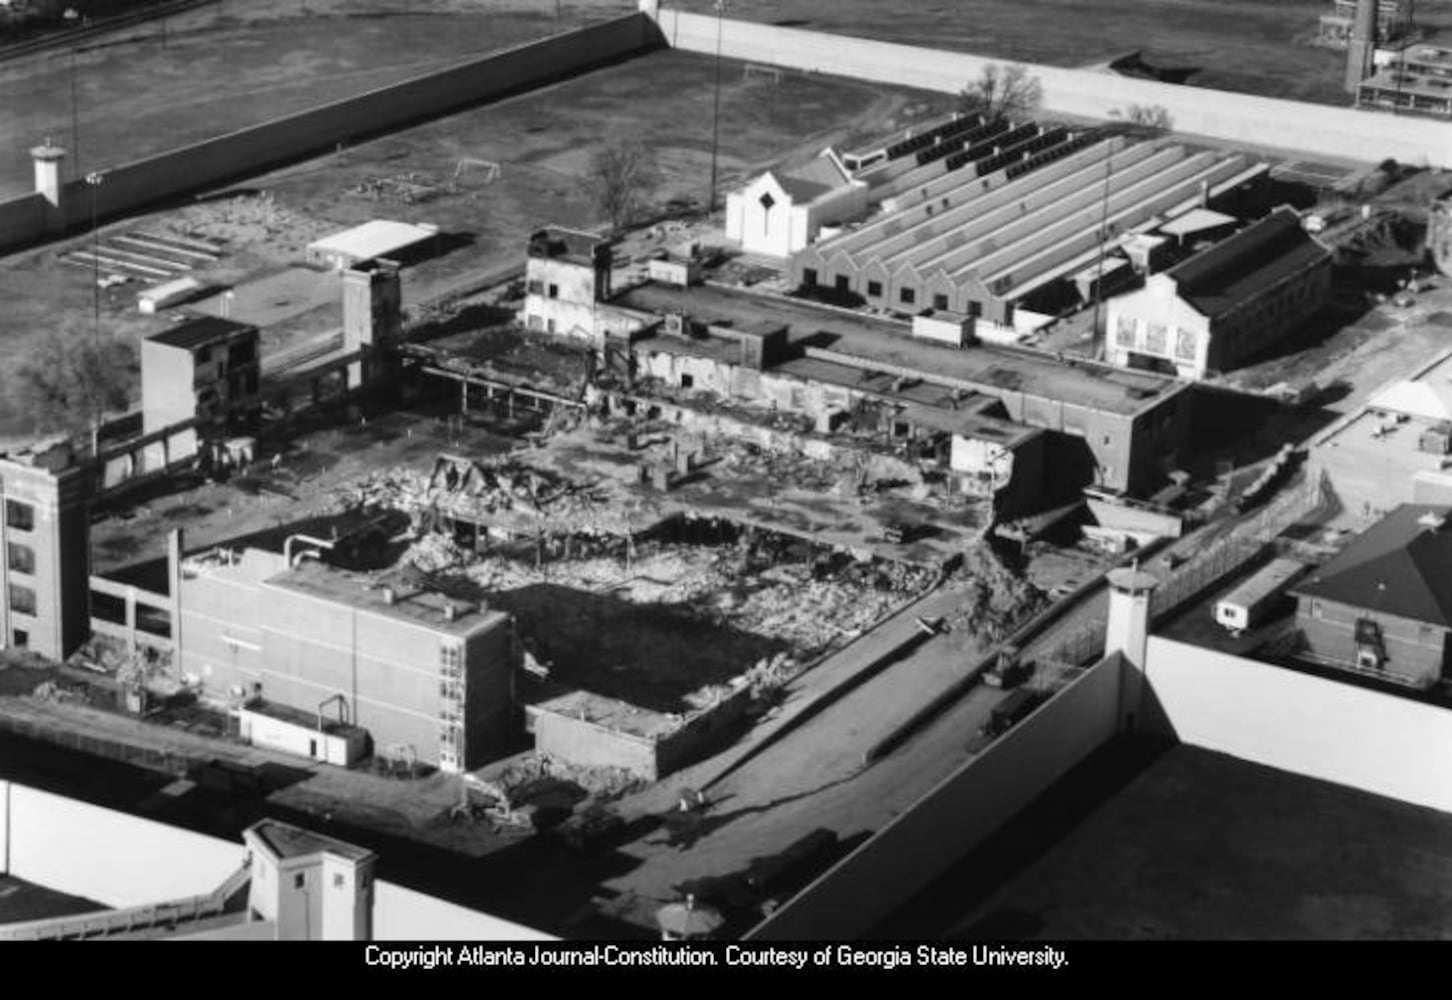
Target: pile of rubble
996 600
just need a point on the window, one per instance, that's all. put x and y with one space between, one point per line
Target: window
535 287
20 516
338 880
843 283
1124 331
20 558
204 355
940 302
22 599
20 638
1155 338
908 296
809 277
767 201
554 291
300 880
874 289
688 381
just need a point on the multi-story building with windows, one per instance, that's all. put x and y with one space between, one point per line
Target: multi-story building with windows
45 571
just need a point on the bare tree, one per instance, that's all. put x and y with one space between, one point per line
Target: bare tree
1002 93
72 380
621 177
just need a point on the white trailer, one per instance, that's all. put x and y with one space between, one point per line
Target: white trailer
1244 606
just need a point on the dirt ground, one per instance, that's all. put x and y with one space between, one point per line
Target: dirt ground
1251 46
232 64
541 141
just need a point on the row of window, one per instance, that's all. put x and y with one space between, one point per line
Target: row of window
551 291
907 296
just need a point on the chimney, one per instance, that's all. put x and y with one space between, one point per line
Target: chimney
450 611
388 595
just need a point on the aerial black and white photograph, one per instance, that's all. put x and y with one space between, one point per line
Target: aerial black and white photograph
772 485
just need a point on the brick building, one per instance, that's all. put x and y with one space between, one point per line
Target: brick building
1383 607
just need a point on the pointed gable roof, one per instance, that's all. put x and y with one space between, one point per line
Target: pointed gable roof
1402 566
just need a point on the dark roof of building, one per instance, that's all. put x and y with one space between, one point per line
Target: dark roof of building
812 179
200 332
1241 267
1401 566
573 244
288 841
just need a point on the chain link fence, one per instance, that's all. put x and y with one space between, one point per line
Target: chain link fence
1245 542
167 761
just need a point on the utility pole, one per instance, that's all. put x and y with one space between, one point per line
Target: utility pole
716 110
1101 348
75 121
94 180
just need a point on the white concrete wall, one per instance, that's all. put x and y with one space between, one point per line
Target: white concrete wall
1342 133
972 803
1323 729
4 827
401 914
116 859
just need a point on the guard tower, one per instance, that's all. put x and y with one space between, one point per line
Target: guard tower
311 887
48 158
1127 633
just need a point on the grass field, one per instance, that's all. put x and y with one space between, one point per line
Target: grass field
1253 46
233 64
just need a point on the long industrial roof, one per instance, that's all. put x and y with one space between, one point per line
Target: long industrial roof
865 342
1241 267
1013 233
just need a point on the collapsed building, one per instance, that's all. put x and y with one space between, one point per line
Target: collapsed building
970 408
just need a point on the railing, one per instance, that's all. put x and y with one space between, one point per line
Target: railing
168 761
132 918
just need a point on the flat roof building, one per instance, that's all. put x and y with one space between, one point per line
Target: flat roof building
370 241
414 668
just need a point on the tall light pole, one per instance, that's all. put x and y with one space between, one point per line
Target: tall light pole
716 111
94 179
1102 347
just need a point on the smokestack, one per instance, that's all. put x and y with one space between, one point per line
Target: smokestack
1361 49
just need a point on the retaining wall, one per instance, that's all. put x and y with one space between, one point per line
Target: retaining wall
129 186
1313 129
116 859
401 914
1379 743
973 802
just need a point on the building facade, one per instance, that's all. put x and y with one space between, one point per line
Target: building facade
1224 305
1383 607
778 214
426 676
207 370
45 574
